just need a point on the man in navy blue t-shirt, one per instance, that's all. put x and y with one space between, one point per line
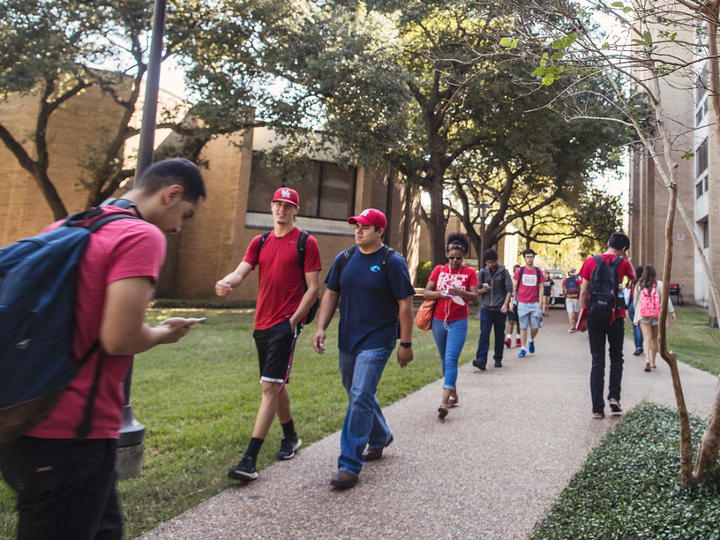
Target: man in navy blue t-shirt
374 300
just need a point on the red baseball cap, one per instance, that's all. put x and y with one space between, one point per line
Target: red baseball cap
370 217
287 195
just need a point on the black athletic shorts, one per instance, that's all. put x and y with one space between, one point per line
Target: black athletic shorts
512 315
274 345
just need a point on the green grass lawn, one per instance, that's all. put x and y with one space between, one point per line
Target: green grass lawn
198 400
692 339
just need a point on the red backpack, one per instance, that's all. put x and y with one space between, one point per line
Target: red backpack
649 303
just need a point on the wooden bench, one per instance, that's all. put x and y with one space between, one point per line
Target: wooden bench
675 289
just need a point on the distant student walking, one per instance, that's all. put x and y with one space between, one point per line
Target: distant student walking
528 289
496 292
637 333
571 291
648 295
513 328
452 285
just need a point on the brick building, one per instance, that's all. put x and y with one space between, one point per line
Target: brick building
691 122
238 205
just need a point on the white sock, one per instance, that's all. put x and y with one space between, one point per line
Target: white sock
530 340
509 336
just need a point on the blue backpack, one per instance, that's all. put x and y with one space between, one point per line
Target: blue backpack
38 279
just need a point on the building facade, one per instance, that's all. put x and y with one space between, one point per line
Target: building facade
686 103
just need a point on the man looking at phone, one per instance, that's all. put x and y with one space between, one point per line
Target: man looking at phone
495 293
65 485
286 291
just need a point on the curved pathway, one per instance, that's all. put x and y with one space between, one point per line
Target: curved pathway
490 470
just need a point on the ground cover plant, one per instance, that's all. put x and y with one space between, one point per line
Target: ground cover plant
198 400
629 487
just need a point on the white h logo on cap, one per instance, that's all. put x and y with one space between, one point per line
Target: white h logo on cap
286 193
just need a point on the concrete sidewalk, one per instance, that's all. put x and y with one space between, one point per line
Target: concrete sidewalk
490 470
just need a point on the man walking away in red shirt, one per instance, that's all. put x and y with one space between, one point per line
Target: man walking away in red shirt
599 330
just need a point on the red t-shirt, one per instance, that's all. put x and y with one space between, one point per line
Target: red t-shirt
281 280
121 249
527 291
625 269
446 279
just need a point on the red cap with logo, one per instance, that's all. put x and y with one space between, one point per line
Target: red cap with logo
287 195
370 217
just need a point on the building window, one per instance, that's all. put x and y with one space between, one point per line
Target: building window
701 87
701 187
704 233
326 192
701 158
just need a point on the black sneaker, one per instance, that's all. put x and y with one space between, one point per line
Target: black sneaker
615 407
244 471
288 446
480 365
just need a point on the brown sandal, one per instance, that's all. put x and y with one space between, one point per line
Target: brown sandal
443 411
647 366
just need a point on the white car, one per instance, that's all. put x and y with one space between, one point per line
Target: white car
557 275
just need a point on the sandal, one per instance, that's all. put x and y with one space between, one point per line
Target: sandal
647 366
443 411
452 402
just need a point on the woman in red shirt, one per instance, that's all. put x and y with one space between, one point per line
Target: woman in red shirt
453 285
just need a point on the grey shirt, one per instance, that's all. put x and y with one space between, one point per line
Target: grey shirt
500 285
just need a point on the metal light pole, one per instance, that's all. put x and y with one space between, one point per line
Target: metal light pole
483 215
131 445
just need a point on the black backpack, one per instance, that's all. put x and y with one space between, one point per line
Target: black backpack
38 278
302 242
605 299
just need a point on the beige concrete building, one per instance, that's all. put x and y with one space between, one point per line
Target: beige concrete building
685 101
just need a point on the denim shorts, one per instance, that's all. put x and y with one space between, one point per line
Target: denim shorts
529 315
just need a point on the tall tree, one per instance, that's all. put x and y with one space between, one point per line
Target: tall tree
56 50
426 87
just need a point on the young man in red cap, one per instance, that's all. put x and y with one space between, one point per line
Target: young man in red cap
286 291
372 285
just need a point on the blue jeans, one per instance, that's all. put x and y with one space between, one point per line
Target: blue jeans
449 344
490 319
637 333
615 336
364 421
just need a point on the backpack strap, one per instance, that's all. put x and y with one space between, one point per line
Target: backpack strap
302 242
83 429
384 263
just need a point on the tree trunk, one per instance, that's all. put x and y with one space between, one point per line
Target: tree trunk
436 221
686 447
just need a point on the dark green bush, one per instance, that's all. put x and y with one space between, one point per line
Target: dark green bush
628 487
423 274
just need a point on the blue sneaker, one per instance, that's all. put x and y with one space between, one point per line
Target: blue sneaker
532 347
522 353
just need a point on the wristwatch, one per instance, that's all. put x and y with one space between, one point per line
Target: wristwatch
406 344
